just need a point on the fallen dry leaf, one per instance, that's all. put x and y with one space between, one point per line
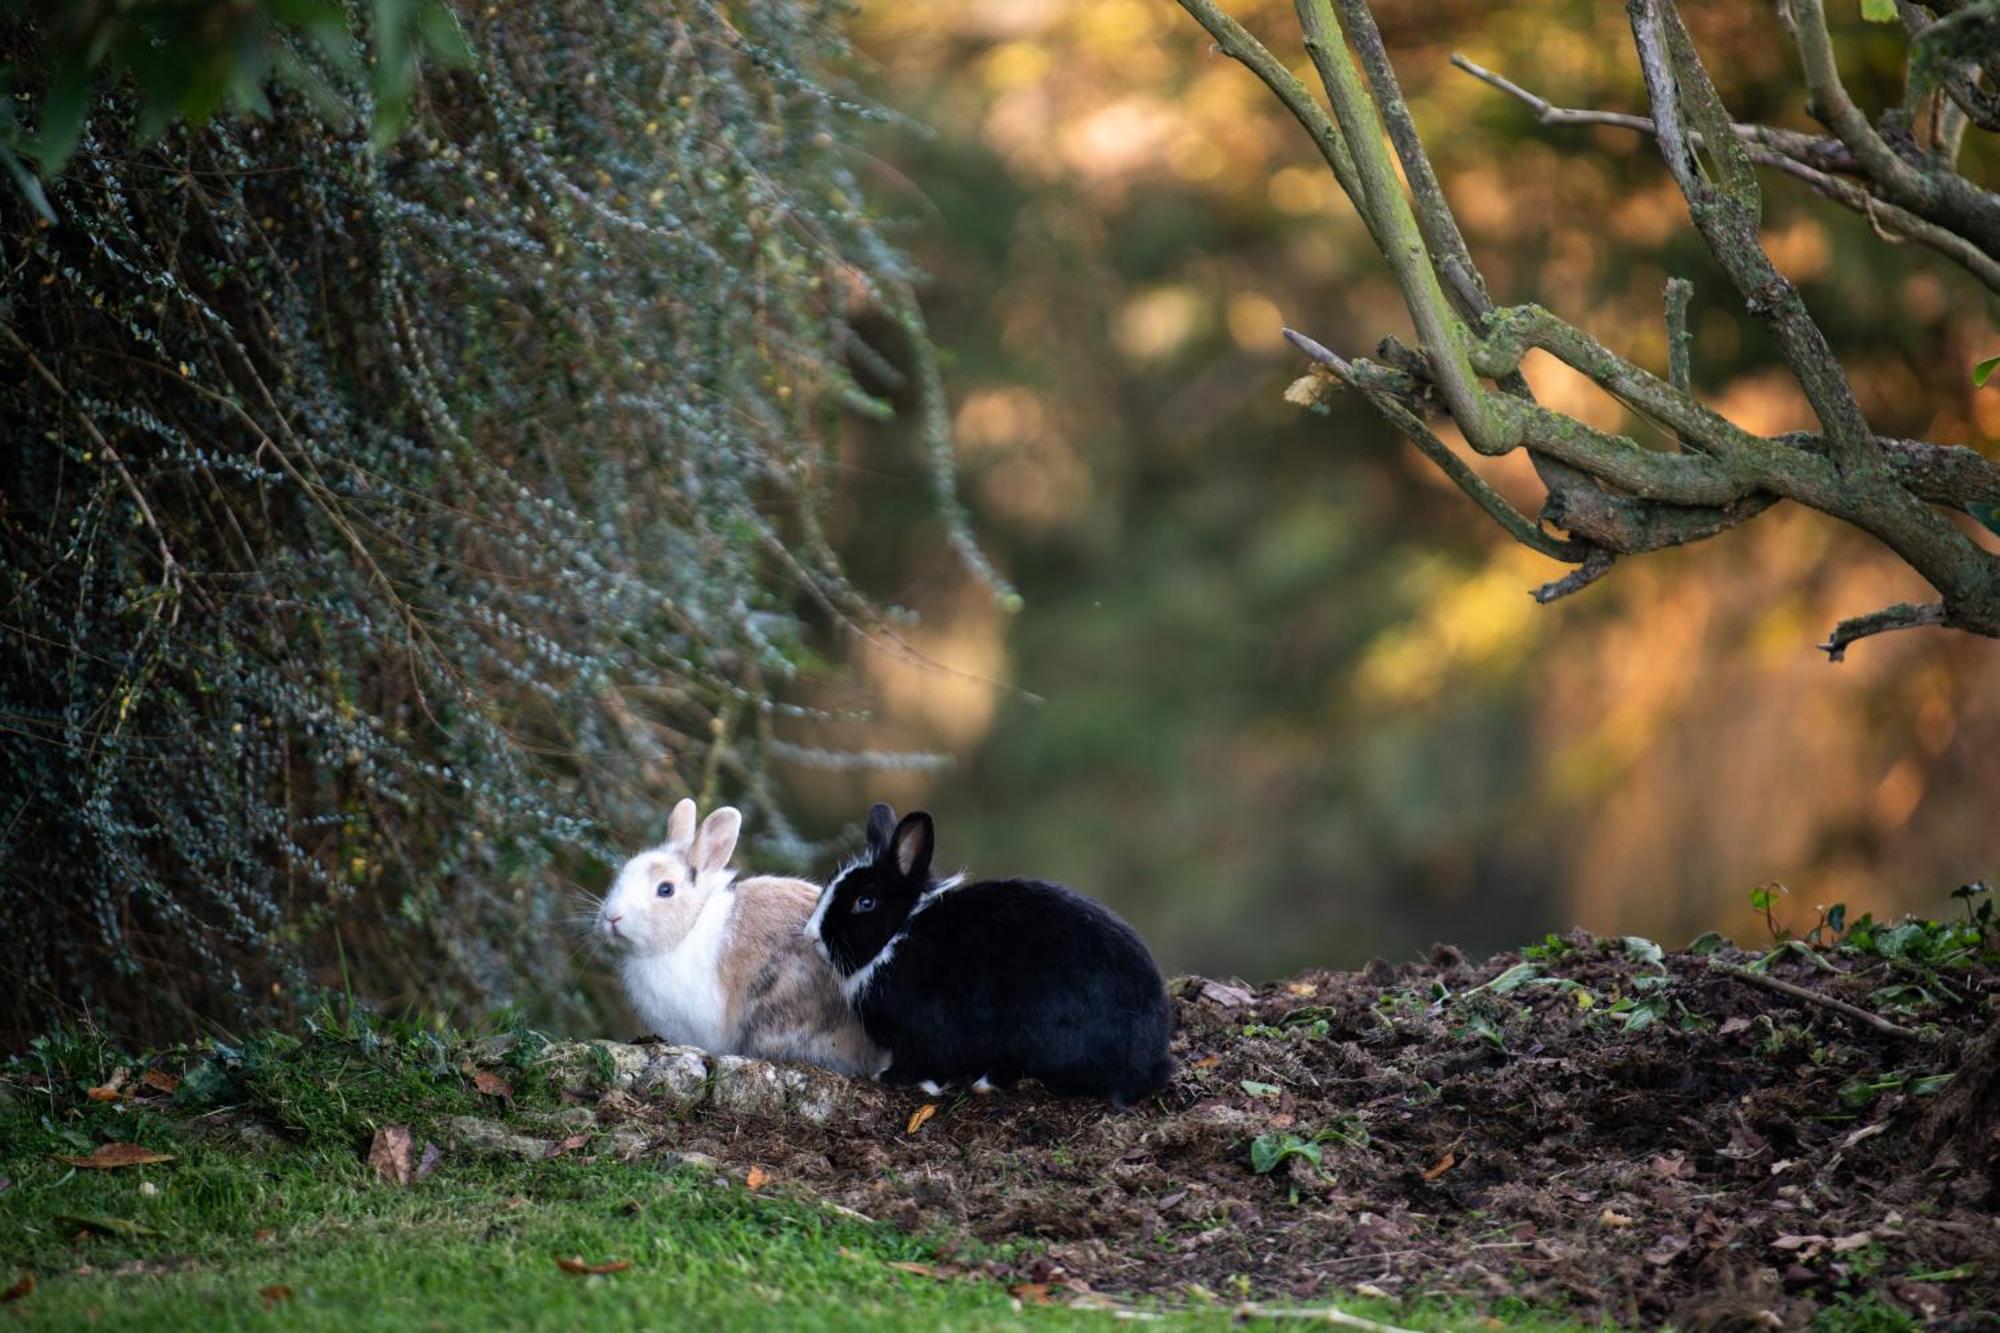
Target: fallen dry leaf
110 1156
25 1287
920 1270
1731 1026
275 1294
758 1178
1671 1165
513 1202
575 1264
160 1081
491 1084
570 1144
1283 1120
265 1235
1442 1165
919 1116
1207 1062
1030 1293
389 1154
107 1093
1226 995
1612 1218
1302 989
1845 1244
108 1226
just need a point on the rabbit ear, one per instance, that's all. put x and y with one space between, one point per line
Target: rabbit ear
718 840
881 823
914 839
680 827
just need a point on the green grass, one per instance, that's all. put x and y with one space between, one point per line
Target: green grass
472 1246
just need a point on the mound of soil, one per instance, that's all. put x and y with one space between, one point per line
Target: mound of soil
1604 1129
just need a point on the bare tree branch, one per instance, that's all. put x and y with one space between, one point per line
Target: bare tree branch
1826 154
1518 525
1943 197
1903 615
1585 574
1804 157
1612 495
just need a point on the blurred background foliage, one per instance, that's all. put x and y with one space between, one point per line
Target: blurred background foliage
1279 692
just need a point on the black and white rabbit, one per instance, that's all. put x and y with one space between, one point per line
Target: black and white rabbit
994 980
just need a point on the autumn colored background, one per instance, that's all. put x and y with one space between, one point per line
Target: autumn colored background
1277 691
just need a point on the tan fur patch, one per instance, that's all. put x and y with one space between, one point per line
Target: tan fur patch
783 1000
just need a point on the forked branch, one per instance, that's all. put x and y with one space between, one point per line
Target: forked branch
1611 494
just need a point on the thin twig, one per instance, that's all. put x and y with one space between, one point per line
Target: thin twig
1594 567
1518 525
170 568
1803 157
1855 1012
1903 615
1830 154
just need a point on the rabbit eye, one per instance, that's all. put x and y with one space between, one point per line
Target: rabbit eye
865 903
666 888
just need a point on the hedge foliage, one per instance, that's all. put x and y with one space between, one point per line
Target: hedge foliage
389 532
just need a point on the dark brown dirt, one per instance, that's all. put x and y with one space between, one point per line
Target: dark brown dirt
1720 1165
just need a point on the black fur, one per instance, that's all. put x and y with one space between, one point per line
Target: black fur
1001 979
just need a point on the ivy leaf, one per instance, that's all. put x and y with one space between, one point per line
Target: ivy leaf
1879 11
64 110
27 184
1984 370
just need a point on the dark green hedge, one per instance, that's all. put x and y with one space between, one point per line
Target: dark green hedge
390 532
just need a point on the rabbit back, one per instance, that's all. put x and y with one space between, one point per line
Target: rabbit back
1005 979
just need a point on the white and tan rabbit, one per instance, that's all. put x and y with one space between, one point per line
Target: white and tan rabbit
724 964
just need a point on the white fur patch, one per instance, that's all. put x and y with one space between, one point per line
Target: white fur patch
931 1088
678 993
852 986
937 890
818 918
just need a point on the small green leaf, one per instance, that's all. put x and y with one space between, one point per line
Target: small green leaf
1256 1089
1707 942
1985 513
1984 370
1879 11
1642 950
64 109
1267 1151
1510 981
